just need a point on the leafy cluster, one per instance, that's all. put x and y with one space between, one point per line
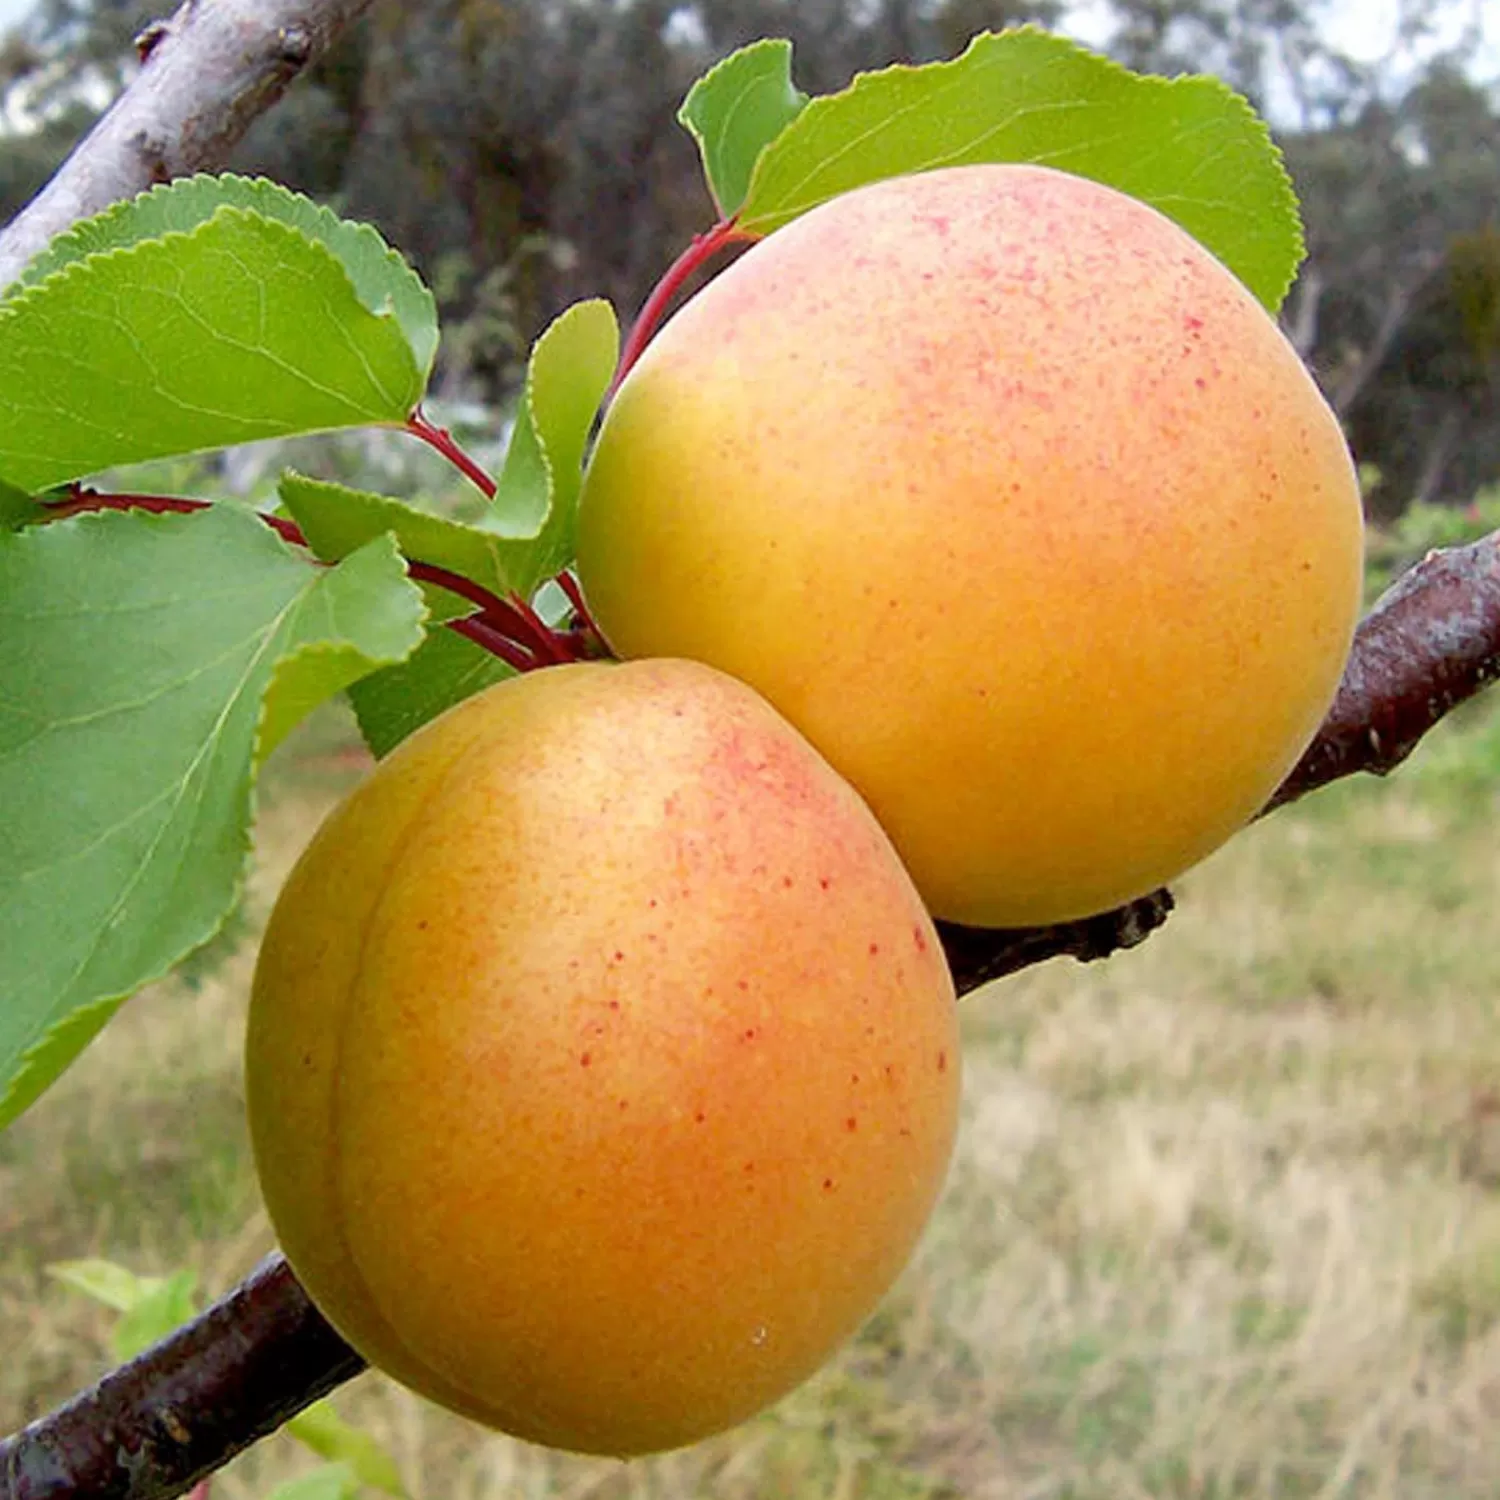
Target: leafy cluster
156 650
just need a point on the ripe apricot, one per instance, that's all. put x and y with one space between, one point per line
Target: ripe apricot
1013 499
602 1065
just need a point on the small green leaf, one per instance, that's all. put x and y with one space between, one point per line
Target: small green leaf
443 671
322 1429
383 280
114 1285
333 1482
1191 147
150 1306
241 329
736 110
336 520
146 664
164 1305
567 374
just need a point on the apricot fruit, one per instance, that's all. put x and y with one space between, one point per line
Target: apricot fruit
602 1064
1014 501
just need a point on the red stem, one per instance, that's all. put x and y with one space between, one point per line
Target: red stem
702 248
585 629
443 441
508 628
479 630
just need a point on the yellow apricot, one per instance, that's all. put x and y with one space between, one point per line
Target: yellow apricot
602 1063
1012 498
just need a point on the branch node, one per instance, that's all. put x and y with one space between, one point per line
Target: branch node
294 46
150 37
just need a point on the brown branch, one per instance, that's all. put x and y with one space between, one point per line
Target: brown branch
153 1428
205 76
1431 643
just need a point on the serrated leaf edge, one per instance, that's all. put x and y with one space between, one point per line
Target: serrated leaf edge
56 283
528 406
106 1005
261 186
762 44
862 81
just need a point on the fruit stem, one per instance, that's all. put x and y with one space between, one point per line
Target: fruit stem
491 638
700 250
444 442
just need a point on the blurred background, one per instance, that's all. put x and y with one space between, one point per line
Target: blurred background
1225 1217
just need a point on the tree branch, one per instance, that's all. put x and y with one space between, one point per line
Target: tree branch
205 76
183 1408
153 1428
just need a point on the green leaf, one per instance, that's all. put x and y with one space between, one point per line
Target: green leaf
239 330
151 1306
736 110
333 1482
147 663
17 508
163 1306
1191 147
320 1428
382 279
445 670
336 520
567 374
114 1285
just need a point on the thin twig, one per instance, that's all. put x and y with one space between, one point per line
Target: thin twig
205 77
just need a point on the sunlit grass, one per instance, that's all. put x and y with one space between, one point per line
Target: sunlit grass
1224 1221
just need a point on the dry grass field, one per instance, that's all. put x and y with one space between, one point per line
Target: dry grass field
1224 1220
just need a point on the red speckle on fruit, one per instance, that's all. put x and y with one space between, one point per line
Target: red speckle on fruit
824 882
920 939
614 1005
619 956
942 1062
851 1124
585 1059
828 1184
422 925
874 949
750 1033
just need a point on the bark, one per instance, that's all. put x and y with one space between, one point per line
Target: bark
154 1427
206 75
